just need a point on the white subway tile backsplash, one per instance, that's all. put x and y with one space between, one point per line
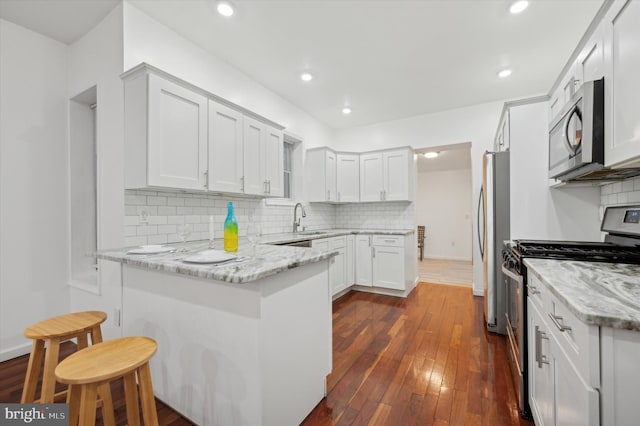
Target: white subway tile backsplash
135 200
627 185
177 201
620 193
166 211
156 201
167 229
157 239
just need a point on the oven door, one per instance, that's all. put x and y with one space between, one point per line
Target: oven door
514 286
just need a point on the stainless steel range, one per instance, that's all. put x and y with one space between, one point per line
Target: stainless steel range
621 245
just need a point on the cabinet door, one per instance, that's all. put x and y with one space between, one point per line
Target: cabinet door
338 271
388 267
320 244
591 60
348 177
363 263
371 183
226 153
576 404
177 143
273 162
541 377
254 141
350 260
330 176
622 84
396 175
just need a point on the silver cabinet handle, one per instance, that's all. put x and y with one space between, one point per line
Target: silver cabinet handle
338 195
555 319
269 185
540 357
533 289
381 196
369 240
206 179
384 194
265 187
242 184
373 254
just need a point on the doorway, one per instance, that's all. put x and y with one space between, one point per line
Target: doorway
444 207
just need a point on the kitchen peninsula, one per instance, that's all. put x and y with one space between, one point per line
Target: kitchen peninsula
240 343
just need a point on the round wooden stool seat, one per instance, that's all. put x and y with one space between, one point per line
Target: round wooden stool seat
53 331
88 370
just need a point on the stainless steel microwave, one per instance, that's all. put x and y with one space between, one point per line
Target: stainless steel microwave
576 135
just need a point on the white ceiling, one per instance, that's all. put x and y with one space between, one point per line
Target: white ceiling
456 158
386 58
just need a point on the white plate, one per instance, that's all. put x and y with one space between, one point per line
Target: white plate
210 256
151 249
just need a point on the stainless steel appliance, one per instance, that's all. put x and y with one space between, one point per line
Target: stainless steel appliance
622 245
577 139
493 229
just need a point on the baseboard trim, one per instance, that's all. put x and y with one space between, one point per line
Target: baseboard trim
464 259
15 352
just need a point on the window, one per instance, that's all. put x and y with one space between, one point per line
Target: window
288 169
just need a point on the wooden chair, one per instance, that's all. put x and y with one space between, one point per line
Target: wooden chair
54 331
421 241
89 372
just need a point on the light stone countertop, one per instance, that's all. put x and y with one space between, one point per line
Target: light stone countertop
604 294
269 259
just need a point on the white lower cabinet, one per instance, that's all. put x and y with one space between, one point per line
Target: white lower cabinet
363 266
339 266
388 267
564 364
351 249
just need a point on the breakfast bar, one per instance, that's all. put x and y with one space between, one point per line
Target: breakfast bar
244 341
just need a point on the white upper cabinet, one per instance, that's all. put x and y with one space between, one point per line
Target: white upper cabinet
590 62
179 136
320 172
225 148
387 175
273 162
348 177
622 85
165 134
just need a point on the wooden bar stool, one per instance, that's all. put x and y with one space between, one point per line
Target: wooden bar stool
89 371
54 331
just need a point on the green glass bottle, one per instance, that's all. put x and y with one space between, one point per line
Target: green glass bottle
230 230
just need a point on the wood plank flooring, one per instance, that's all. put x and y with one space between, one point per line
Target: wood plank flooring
445 271
424 360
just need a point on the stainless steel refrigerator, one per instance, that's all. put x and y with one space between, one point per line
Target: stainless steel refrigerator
493 229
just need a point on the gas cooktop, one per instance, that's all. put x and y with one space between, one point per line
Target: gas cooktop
577 250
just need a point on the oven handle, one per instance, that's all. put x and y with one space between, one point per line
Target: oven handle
510 274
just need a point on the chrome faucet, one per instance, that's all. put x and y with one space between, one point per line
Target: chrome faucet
296 219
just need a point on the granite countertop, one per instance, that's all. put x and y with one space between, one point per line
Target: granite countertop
315 234
250 266
603 294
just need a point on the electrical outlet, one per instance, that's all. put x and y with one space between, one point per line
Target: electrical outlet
143 216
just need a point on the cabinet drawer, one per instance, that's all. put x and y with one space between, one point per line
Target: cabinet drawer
388 240
337 242
536 291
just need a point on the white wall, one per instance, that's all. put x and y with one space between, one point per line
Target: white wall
537 211
96 60
34 246
476 124
443 205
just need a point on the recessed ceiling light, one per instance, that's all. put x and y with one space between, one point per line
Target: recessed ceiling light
431 154
225 9
346 110
504 73
305 76
518 6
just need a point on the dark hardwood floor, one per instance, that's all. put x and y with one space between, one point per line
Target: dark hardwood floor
423 360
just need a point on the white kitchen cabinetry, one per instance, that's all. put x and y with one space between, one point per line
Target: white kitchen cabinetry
387 175
226 148
179 136
564 363
165 134
622 85
363 265
348 177
320 174
351 253
339 267
388 262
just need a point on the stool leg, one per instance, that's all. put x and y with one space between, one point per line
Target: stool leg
73 399
33 372
88 397
149 413
131 399
108 418
82 341
49 378
96 335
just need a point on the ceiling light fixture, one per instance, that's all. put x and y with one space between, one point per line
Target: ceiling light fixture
305 76
225 9
504 73
430 154
518 6
346 110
